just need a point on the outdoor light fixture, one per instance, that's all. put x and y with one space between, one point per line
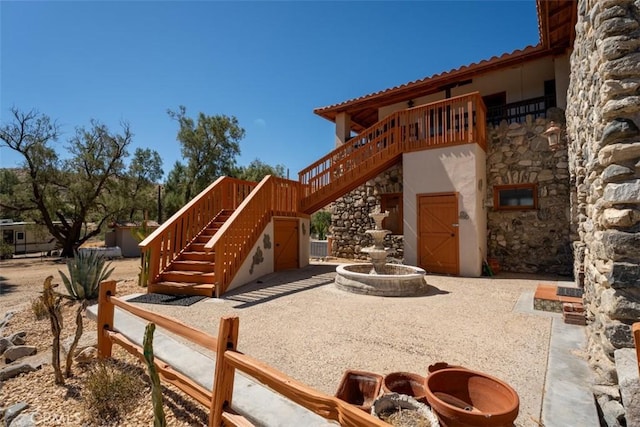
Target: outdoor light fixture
410 103
553 135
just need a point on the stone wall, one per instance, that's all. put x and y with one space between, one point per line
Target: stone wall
603 120
530 241
350 217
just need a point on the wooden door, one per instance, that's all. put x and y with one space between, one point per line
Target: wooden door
438 233
286 243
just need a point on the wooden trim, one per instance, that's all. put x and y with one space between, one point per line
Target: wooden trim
496 197
635 328
105 317
172 325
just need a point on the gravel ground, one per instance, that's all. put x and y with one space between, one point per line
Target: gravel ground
300 324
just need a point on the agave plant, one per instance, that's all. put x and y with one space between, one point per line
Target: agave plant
86 270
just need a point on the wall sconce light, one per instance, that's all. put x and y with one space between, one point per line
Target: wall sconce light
553 135
410 103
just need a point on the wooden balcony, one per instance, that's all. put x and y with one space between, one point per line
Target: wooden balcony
454 121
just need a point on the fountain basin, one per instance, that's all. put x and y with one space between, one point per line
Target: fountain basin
393 280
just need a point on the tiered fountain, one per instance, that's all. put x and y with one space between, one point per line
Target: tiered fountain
378 277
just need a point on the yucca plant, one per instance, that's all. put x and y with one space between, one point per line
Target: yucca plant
86 270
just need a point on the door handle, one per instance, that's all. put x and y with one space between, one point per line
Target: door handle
455 225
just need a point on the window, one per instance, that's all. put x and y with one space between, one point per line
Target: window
20 235
515 197
392 202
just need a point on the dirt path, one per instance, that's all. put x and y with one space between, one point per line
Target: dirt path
21 278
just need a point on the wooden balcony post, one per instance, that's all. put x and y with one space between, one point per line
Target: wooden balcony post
635 328
470 110
105 317
223 378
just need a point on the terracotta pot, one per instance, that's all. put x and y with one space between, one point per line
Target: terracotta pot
393 402
405 383
461 397
359 388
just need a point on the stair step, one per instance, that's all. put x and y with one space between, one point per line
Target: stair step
197 256
196 247
203 238
187 277
181 288
193 265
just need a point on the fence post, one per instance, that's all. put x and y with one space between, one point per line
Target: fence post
224 373
105 317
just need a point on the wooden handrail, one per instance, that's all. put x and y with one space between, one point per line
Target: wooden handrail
273 196
167 242
453 121
219 400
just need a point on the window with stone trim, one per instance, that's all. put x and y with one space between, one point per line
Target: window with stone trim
515 197
392 202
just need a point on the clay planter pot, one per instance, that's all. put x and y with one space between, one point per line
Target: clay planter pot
359 388
405 383
461 397
388 404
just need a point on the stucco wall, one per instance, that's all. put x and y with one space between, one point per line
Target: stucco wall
451 169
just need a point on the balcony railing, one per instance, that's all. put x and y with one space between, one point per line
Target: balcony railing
516 112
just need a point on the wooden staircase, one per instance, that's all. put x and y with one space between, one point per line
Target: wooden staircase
193 254
193 271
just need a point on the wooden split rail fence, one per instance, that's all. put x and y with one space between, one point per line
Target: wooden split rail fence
228 360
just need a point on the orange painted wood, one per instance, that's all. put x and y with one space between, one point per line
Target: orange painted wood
636 336
224 373
229 418
168 241
105 317
438 245
172 325
237 236
329 407
167 373
285 242
454 121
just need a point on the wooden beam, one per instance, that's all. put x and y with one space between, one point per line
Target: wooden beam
105 317
225 373
635 328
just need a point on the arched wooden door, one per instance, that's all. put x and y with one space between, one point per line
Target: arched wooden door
285 255
438 233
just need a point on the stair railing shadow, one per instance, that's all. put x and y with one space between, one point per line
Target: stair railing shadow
281 284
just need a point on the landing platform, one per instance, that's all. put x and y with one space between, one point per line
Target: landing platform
546 298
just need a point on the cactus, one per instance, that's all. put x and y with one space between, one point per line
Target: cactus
76 338
156 390
53 302
86 271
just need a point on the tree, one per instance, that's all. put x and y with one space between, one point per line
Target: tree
209 148
144 171
65 195
256 170
175 189
320 222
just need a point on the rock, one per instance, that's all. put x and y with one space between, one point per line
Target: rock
24 420
621 68
8 315
624 274
613 413
621 304
4 344
618 218
86 355
618 334
13 411
620 245
18 352
616 172
618 153
14 370
19 338
628 192
615 107
629 382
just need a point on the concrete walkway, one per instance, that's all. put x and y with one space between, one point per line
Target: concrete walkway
567 399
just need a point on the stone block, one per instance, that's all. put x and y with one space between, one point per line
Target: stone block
618 334
616 107
13 411
621 68
623 193
629 382
624 275
621 304
616 172
613 413
620 245
618 46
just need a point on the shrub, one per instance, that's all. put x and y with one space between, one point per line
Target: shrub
86 271
6 250
39 309
111 391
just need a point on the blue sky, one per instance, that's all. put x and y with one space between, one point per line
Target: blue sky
267 63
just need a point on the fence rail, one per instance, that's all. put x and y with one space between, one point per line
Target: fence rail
228 360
